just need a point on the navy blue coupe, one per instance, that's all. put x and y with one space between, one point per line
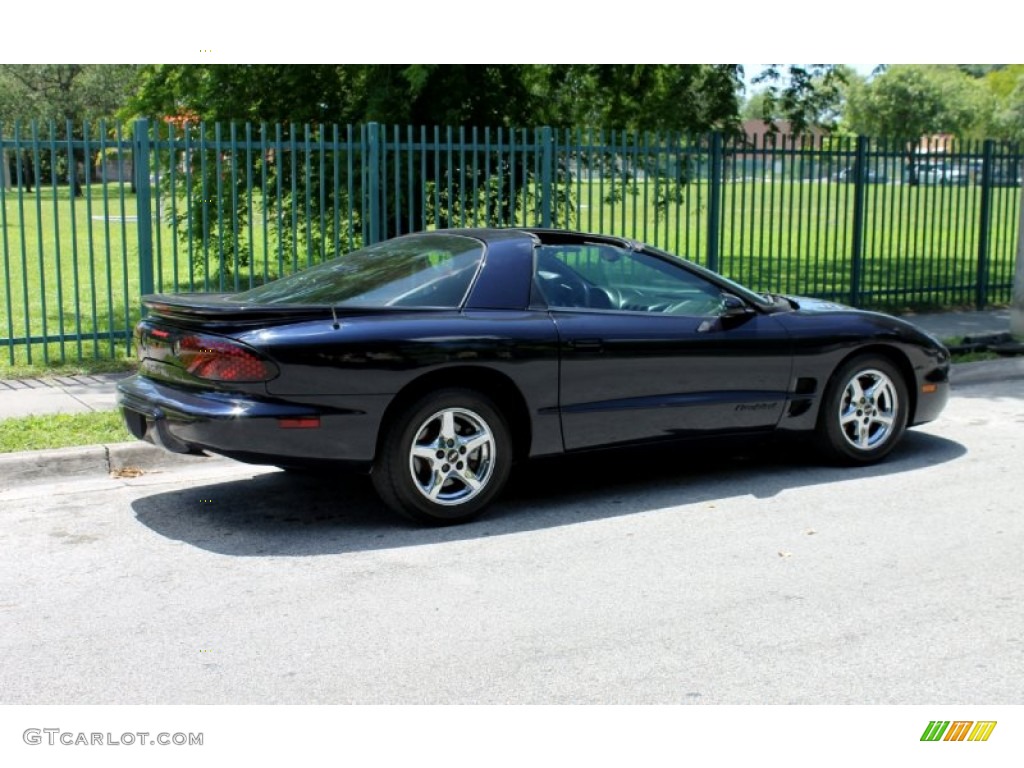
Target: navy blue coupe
435 360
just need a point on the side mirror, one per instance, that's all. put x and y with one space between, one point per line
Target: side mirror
733 307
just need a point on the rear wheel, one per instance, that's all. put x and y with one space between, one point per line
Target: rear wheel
864 413
444 458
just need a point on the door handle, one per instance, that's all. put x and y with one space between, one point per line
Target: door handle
586 345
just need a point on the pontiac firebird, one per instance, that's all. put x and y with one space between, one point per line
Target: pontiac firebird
435 360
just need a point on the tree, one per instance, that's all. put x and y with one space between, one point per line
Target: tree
1009 117
1004 110
66 94
805 95
683 98
688 98
759 106
61 92
908 102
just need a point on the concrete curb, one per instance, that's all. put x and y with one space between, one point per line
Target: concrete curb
987 371
29 467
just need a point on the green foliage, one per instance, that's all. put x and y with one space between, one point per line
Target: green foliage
909 101
1002 81
980 70
685 98
1009 117
692 98
62 97
1004 114
62 92
759 106
293 187
805 95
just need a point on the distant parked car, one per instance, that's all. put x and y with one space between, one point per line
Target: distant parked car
871 176
940 173
1004 174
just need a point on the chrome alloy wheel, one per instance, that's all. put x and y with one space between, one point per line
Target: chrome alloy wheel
452 456
868 409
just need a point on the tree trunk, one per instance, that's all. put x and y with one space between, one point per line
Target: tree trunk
912 178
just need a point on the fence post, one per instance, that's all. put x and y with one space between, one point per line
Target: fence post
546 169
984 224
859 191
143 204
714 200
371 191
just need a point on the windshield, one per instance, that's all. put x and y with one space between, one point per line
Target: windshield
740 290
424 270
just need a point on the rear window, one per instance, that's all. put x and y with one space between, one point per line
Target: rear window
426 270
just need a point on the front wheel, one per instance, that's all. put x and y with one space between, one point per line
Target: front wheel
864 413
444 458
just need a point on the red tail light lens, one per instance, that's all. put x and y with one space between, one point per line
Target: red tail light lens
217 359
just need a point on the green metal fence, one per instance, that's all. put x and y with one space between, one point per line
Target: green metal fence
95 215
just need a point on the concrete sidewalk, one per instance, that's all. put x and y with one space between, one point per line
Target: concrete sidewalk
58 394
80 394
955 325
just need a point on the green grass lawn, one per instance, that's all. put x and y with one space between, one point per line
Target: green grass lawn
74 263
33 433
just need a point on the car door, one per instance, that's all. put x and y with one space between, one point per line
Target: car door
650 349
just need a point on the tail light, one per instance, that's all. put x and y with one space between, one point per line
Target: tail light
218 359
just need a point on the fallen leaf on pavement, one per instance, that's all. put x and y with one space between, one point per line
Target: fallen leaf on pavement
127 472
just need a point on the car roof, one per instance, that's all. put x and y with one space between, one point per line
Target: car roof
541 235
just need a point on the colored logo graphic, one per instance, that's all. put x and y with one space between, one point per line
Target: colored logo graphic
958 730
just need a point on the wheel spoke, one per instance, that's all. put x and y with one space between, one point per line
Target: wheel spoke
854 389
427 452
437 480
849 415
864 435
470 479
885 419
473 442
448 424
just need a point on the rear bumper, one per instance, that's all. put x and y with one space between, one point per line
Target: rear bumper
245 427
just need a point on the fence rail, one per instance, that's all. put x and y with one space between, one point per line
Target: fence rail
95 215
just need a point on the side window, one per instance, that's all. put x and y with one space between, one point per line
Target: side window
603 277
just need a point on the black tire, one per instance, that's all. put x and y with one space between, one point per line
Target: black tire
444 458
864 413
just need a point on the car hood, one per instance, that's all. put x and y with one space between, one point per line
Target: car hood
805 305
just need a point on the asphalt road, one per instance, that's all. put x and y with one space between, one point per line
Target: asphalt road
709 578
